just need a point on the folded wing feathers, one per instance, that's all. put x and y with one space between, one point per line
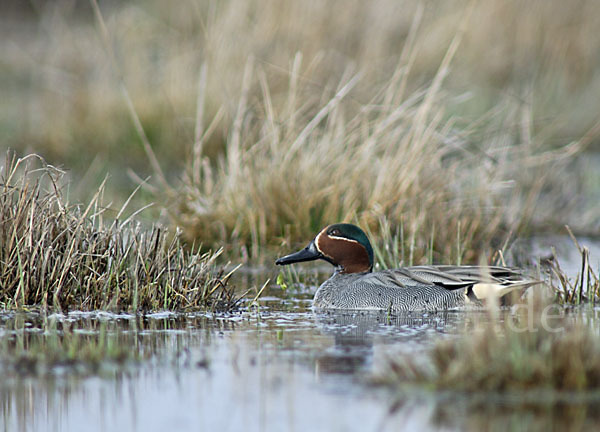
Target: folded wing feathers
498 280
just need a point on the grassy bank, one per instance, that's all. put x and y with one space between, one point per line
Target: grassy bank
259 123
63 256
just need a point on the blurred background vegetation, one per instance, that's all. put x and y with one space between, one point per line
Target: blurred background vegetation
458 122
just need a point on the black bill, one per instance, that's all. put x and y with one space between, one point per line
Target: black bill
309 253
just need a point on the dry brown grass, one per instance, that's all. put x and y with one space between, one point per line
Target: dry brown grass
397 158
451 118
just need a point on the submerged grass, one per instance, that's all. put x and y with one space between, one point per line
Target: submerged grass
34 343
506 358
50 349
63 256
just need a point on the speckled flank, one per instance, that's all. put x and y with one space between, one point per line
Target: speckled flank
371 291
415 288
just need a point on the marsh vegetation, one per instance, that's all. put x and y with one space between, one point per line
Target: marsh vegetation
258 129
153 148
62 256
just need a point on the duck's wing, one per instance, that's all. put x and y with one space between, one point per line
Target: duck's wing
411 277
485 281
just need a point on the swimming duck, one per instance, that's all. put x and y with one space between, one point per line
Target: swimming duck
354 285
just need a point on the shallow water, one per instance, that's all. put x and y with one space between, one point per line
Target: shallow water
281 367
272 370
255 371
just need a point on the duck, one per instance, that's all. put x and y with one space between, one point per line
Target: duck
355 286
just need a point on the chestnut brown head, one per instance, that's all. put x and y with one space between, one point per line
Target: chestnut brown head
345 246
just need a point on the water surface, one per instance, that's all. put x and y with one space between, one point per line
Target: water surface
280 367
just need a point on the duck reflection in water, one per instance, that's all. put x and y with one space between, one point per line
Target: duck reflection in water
356 333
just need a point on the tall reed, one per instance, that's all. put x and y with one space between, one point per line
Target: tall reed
397 158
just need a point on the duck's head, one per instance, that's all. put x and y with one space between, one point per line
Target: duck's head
345 246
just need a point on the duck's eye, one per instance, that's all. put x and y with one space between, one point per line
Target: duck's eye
335 232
